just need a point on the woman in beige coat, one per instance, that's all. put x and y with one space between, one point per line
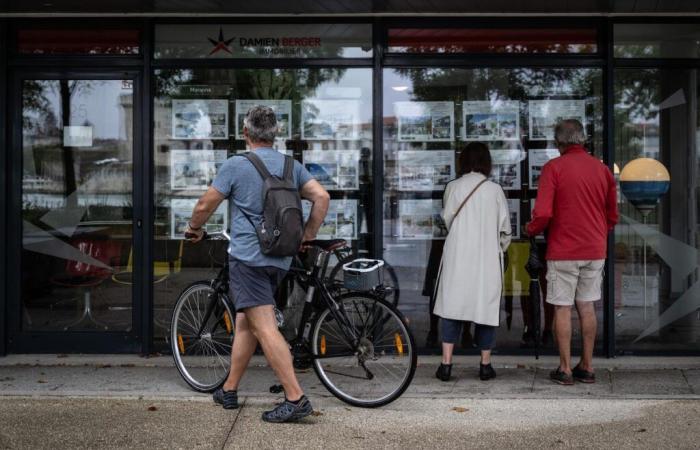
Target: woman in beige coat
471 273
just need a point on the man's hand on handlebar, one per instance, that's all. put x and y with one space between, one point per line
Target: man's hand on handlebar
305 241
193 236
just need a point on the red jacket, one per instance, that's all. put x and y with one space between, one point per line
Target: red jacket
577 205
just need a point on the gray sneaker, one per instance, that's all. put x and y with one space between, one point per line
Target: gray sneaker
227 399
288 411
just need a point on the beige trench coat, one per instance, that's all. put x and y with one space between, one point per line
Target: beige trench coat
471 273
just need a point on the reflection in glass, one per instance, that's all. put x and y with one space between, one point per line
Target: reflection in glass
656 116
326 123
430 115
654 40
76 203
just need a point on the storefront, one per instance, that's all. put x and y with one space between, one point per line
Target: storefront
113 129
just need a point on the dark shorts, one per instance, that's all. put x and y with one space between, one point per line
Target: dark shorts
253 286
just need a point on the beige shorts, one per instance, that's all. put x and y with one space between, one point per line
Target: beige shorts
574 280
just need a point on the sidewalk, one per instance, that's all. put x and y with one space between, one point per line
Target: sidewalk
126 401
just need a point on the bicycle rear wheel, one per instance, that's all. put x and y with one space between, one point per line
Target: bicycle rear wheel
203 359
380 368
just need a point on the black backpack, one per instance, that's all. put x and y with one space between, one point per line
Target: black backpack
282 227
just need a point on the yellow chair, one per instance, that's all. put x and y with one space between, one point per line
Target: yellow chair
162 269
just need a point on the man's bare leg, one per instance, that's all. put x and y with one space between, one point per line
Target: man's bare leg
589 323
562 331
262 322
244 345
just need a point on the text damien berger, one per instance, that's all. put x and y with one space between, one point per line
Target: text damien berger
281 42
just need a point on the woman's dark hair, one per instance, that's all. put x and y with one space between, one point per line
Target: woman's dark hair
476 157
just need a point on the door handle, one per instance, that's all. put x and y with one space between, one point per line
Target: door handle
138 223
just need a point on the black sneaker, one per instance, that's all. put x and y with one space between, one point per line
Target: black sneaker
560 377
486 372
583 376
228 399
444 372
288 411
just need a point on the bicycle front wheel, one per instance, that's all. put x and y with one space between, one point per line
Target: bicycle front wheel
203 359
368 357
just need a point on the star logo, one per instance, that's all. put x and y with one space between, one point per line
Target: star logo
221 43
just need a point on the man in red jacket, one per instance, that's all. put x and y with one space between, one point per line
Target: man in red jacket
577 206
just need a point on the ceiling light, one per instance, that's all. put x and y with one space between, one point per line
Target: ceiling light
399 88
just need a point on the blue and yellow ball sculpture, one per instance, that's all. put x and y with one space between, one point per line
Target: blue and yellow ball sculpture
643 181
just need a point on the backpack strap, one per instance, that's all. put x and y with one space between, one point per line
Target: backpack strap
288 173
258 164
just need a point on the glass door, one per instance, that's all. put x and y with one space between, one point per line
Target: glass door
77 221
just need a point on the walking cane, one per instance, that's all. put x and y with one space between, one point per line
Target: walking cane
533 267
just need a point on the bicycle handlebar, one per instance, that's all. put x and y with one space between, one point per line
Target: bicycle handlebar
209 236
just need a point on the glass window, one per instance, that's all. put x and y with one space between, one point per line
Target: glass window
430 115
264 41
58 41
653 40
325 118
493 40
77 205
657 289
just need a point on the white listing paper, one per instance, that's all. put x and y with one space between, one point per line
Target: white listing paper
425 170
340 222
77 136
505 168
194 169
181 213
536 161
491 120
282 109
545 114
200 119
425 121
421 219
514 210
330 119
334 169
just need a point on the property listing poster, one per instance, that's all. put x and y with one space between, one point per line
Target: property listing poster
334 169
425 121
545 114
282 109
491 121
421 219
181 213
284 152
194 169
330 119
536 161
505 169
200 119
340 222
514 210
425 170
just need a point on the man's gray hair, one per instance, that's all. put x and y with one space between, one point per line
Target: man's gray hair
569 132
261 123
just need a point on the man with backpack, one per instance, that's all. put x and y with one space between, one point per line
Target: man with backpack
263 188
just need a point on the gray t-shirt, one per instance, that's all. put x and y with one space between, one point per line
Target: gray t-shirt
242 185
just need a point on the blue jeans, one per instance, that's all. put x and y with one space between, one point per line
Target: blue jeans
485 334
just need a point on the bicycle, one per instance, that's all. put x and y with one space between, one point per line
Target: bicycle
358 344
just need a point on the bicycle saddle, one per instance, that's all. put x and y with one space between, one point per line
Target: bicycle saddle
328 245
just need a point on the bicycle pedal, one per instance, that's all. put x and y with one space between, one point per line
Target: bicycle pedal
276 389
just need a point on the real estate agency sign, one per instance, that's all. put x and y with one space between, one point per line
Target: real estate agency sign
261 41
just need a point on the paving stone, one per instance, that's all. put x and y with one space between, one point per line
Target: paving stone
650 382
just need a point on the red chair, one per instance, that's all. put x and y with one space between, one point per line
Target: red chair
85 276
